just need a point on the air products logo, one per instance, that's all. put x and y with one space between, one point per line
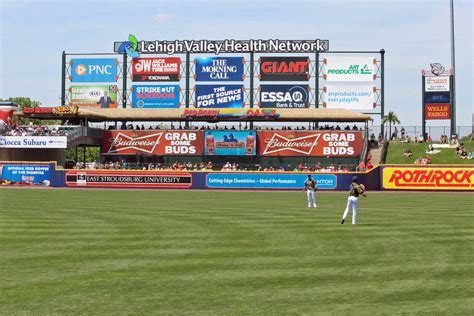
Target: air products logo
130 47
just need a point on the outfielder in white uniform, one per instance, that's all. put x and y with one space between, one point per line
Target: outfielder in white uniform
356 189
310 186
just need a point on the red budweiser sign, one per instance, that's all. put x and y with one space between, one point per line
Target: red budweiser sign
153 142
299 143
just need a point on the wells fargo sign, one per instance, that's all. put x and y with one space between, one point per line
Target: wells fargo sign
428 178
298 143
437 111
153 142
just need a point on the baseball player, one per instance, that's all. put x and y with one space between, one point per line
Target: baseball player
310 186
356 189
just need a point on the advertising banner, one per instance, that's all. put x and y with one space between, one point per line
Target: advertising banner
299 143
428 178
43 142
349 96
436 84
284 96
219 96
129 179
144 142
284 69
6 117
230 113
438 97
155 96
26 173
156 69
353 68
104 96
230 143
437 111
278 181
94 70
219 68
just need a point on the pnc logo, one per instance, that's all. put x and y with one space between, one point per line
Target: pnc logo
81 70
129 47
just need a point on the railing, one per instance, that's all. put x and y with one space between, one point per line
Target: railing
415 131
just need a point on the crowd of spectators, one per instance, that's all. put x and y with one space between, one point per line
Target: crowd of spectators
172 126
209 166
33 130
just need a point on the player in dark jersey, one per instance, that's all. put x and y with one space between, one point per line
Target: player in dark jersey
310 186
356 189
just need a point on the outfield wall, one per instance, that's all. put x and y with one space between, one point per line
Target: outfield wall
384 177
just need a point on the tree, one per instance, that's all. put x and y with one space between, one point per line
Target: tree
390 118
25 102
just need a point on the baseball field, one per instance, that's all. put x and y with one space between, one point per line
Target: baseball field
100 252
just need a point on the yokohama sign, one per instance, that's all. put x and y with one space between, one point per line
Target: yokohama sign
156 69
153 143
297 143
428 178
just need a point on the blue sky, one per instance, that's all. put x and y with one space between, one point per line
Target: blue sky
413 33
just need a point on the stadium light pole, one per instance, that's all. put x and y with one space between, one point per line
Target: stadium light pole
453 66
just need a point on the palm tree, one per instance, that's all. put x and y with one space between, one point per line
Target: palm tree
390 118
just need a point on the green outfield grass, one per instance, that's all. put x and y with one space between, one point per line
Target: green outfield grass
102 252
446 156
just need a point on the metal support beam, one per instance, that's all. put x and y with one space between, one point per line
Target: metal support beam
63 79
382 90
124 81
252 75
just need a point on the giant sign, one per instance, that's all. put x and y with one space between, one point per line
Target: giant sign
353 68
155 96
284 96
219 68
42 142
278 181
94 69
428 178
284 69
129 179
349 96
156 69
104 96
230 143
437 111
299 143
219 96
174 143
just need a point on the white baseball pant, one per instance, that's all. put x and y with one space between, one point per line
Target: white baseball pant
311 197
352 202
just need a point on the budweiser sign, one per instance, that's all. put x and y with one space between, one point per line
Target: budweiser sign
302 145
428 178
153 142
145 144
308 143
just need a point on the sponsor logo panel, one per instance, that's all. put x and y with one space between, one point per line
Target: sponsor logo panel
219 96
437 111
153 142
42 142
267 181
436 84
156 69
26 173
144 179
284 69
428 178
104 96
231 143
284 96
349 96
349 69
297 143
155 96
219 68
94 69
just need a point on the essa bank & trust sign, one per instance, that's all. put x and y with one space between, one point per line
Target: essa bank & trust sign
133 47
